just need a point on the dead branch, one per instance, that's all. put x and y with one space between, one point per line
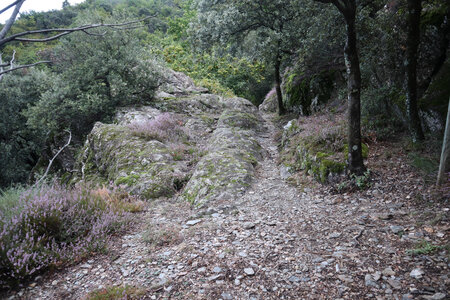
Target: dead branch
54 157
11 20
21 37
9 6
24 66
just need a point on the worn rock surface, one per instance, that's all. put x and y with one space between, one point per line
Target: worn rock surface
220 137
228 167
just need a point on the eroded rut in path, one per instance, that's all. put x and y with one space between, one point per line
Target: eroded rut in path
273 242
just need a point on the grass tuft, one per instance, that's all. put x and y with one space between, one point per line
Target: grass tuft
117 293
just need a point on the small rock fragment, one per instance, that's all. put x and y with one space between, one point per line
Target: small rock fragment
388 272
395 284
437 296
193 222
385 216
376 276
249 271
249 225
368 280
416 273
345 278
396 229
334 235
242 254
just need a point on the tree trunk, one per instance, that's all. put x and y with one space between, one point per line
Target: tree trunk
413 40
11 20
355 159
281 109
445 155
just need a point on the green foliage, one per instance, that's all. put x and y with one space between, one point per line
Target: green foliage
362 181
9 200
328 166
96 74
127 180
380 108
267 30
305 93
226 75
423 164
425 248
19 145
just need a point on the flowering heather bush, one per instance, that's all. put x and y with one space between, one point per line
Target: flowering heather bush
51 225
164 127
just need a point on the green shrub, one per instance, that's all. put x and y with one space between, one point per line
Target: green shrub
20 146
96 74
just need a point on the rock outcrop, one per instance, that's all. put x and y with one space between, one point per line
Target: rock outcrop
232 153
214 159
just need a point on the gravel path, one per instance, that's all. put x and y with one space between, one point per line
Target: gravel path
275 242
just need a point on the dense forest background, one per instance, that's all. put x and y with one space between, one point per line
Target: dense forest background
240 48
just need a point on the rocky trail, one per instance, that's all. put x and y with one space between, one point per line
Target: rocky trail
276 241
239 230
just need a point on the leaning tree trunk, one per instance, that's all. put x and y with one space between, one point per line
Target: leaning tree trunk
281 109
355 158
11 19
412 44
444 165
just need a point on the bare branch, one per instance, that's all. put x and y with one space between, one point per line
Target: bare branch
94 34
23 66
2 65
11 62
64 31
9 6
44 39
54 157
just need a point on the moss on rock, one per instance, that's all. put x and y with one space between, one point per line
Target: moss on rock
112 153
227 168
316 147
303 93
365 150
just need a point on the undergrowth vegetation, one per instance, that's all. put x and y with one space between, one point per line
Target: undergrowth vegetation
53 224
117 292
162 235
317 146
